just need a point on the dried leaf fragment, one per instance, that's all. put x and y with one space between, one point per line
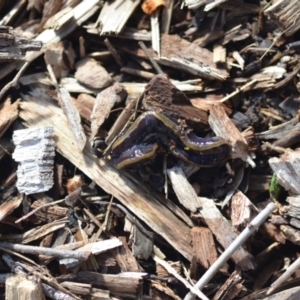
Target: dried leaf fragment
149 6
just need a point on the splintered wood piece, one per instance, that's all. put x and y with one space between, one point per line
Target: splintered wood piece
240 210
35 150
224 233
61 57
92 74
122 120
224 127
171 101
53 212
77 287
127 282
138 88
164 289
188 57
126 261
79 14
184 56
104 102
131 194
155 32
121 10
14 46
8 206
291 234
287 170
8 114
204 246
286 14
101 246
22 287
183 190
231 288
174 272
81 255
279 131
73 117
219 54
35 233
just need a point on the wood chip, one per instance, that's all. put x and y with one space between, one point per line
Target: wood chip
61 57
287 169
223 127
8 206
204 246
73 117
121 10
35 150
224 233
240 210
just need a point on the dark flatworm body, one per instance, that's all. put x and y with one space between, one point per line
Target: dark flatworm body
153 131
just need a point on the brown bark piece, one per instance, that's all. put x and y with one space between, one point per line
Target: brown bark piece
104 102
84 104
287 169
8 114
92 74
144 204
61 57
162 95
204 246
125 259
224 127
